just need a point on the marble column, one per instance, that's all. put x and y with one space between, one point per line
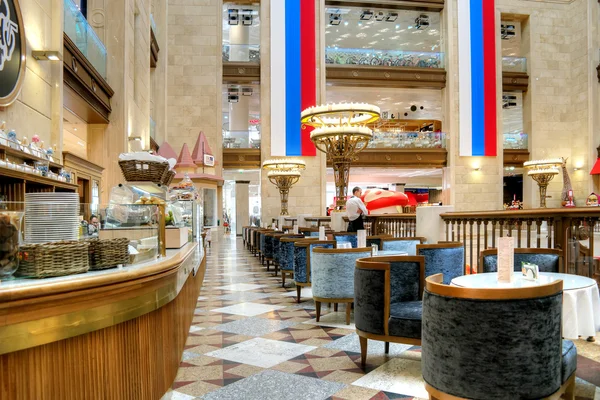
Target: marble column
242 206
238 120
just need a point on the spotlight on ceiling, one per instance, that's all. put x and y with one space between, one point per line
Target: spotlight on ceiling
335 19
233 16
246 17
391 17
233 98
422 22
380 16
366 15
507 31
509 101
247 91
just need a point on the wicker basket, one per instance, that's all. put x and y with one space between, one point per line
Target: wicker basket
144 171
53 259
168 178
108 253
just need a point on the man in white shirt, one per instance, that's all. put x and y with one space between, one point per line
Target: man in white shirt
355 209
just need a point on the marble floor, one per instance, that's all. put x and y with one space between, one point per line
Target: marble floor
249 339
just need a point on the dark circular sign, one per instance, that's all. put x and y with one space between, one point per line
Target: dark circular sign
12 51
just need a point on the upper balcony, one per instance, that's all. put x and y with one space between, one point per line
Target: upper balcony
385 58
83 36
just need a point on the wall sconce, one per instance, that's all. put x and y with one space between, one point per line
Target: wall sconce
42 55
476 168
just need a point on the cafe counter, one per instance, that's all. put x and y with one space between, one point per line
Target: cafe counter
112 334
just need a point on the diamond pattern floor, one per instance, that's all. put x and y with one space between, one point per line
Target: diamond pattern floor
250 340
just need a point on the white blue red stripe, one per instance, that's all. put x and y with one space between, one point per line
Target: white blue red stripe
293 75
477 77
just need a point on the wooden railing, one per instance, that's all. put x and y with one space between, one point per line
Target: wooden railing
569 229
397 225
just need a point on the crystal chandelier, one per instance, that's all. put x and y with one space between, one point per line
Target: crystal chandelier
341 132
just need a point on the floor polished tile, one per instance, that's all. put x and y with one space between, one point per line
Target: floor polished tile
333 319
261 352
396 376
241 287
351 343
254 326
248 309
276 385
243 296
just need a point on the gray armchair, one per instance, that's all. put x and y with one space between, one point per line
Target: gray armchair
302 252
387 300
492 344
549 260
286 255
445 258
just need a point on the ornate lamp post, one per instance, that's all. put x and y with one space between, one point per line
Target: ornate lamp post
543 171
341 132
284 173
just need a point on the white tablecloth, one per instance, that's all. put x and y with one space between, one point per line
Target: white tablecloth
581 299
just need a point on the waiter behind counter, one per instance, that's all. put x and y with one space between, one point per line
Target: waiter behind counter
355 209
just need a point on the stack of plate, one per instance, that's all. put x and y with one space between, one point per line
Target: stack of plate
51 217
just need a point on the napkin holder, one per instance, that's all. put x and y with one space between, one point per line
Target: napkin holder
531 272
322 233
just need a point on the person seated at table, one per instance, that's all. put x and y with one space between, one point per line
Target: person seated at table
93 226
355 209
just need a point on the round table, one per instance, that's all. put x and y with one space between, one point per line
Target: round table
390 253
581 299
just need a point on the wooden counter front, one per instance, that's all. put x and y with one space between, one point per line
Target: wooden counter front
118 334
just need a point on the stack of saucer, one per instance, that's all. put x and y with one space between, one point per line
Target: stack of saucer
51 217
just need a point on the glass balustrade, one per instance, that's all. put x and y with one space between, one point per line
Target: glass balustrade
241 53
241 140
153 24
84 37
408 140
514 64
516 141
386 58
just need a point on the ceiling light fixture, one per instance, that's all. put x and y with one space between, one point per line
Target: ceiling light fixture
335 19
391 17
422 22
507 31
42 55
246 17
380 16
233 16
366 15
247 91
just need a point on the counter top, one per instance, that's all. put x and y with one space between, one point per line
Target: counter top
34 312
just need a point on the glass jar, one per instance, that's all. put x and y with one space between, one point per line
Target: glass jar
10 239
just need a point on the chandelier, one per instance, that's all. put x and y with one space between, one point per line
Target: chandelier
543 171
341 132
284 173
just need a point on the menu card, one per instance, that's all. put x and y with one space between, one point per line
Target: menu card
321 233
361 238
273 226
506 259
295 229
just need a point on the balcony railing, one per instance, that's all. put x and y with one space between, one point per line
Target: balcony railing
408 140
514 64
84 37
516 141
385 58
241 53
241 140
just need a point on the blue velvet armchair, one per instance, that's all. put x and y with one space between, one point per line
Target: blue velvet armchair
495 344
346 237
333 276
445 258
549 260
405 244
387 300
268 248
286 255
302 255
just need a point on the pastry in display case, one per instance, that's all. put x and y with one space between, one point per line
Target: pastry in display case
189 201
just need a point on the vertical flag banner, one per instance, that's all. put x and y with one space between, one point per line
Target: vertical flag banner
478 93
293 75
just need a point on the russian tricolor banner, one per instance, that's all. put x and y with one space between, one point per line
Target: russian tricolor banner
477 77
293 75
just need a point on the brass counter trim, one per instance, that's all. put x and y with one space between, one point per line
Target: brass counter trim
159 290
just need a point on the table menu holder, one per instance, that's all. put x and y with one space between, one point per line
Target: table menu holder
374 249
321 233
361 238
273 226
506 259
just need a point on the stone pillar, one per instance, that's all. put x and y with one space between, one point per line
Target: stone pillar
238 120
242 206
239 40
